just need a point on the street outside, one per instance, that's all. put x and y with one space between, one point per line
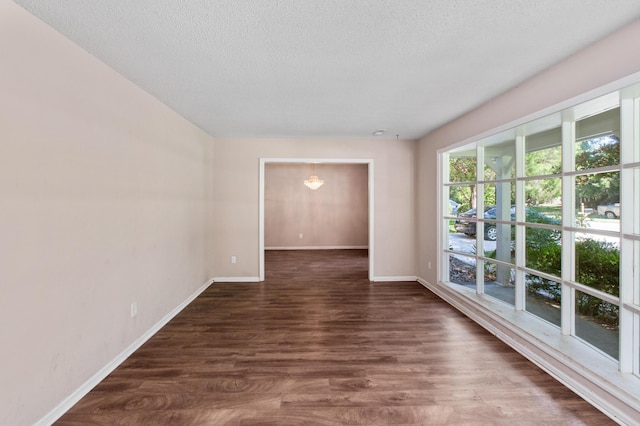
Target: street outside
464 244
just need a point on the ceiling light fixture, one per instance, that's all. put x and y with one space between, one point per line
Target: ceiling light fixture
379 132
314 182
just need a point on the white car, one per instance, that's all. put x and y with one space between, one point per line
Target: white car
610 211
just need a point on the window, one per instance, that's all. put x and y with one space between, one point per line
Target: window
549 222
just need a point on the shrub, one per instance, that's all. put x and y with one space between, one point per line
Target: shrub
597 266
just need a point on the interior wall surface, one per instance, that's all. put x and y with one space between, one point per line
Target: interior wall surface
336 215
609 60
237 195
105 200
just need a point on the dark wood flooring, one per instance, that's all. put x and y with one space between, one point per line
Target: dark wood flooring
317 343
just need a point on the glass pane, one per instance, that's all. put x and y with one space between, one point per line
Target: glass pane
545 196
636 190
599 195
543 298
462 166
598 262
636 284
501 197
466 222
597 143
500 242
543 153
461 198
460 242
597 323
636 327
499 161
462 270
543 250
495 194
499 282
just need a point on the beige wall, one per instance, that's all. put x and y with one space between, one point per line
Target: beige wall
335 215
105 199
236 191
604 62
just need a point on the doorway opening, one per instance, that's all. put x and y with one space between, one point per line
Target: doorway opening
317 230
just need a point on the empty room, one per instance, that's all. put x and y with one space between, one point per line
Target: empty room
320 212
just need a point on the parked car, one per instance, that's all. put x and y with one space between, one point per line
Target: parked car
468 227
610 211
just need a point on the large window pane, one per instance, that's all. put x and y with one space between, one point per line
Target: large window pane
543 153
597 143
597 261
499 282
636 326
636 190
543 298
599 193
597 152
460 242
462 270
597 323
636 284
544 196
462 166
503 193
543 251
499 242
461 198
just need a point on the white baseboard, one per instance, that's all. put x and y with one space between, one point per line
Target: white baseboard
318 248
236 279
84 389
395 278
615 394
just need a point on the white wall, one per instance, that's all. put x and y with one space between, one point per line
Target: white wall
236 191
335 215
105 199
604 62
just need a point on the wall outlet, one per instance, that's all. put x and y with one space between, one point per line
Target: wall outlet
233 259
134 309
429 265
300 236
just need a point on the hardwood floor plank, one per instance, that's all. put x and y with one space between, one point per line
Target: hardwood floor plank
318 344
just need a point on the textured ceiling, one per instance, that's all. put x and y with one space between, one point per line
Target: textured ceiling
330 68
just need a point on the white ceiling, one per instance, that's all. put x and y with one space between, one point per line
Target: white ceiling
330 68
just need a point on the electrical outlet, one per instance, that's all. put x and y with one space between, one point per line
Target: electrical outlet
134 309
429 265
300 236
233 259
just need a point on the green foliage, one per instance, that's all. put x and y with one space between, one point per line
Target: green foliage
600 188
598 152
463 169
544 254
541 163
597 267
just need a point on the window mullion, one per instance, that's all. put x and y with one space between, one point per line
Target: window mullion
568 238
520 290
479 223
